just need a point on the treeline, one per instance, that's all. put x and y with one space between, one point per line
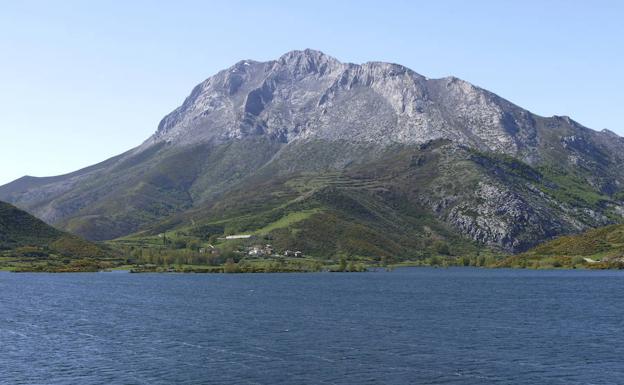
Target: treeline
448 261
167 256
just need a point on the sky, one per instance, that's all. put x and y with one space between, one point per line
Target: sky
81 81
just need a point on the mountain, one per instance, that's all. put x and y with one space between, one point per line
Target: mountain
21 233
337 157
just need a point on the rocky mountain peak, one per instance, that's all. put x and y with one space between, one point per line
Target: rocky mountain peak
308 59
308 94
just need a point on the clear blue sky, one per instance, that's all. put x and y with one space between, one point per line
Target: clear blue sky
81 81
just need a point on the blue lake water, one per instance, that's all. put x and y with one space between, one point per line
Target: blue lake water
410 326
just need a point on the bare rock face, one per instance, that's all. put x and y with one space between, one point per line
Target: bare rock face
307 112
499 216
307 94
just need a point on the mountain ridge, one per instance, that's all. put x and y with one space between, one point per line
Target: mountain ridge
340 74
306 115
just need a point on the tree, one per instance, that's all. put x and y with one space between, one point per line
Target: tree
179 244
434 261
384 261
442 248
342 264
193 244
230 266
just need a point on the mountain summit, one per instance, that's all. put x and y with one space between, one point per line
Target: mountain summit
307 94
372 158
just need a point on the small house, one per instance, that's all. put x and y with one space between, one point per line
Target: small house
256 251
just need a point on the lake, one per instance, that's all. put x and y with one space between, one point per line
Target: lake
409 326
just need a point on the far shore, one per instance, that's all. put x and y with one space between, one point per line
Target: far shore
362 268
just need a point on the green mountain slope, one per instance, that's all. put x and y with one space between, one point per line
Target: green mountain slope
597 248
603 242
28 243
404 202
18 228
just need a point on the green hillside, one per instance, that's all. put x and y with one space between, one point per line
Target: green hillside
28 244
596 248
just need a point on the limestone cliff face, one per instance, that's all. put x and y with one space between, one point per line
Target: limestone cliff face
307 94
269 118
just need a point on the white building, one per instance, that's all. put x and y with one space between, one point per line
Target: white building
241 236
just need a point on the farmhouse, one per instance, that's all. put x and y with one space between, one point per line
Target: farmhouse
261 250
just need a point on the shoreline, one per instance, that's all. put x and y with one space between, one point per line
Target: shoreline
366 269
